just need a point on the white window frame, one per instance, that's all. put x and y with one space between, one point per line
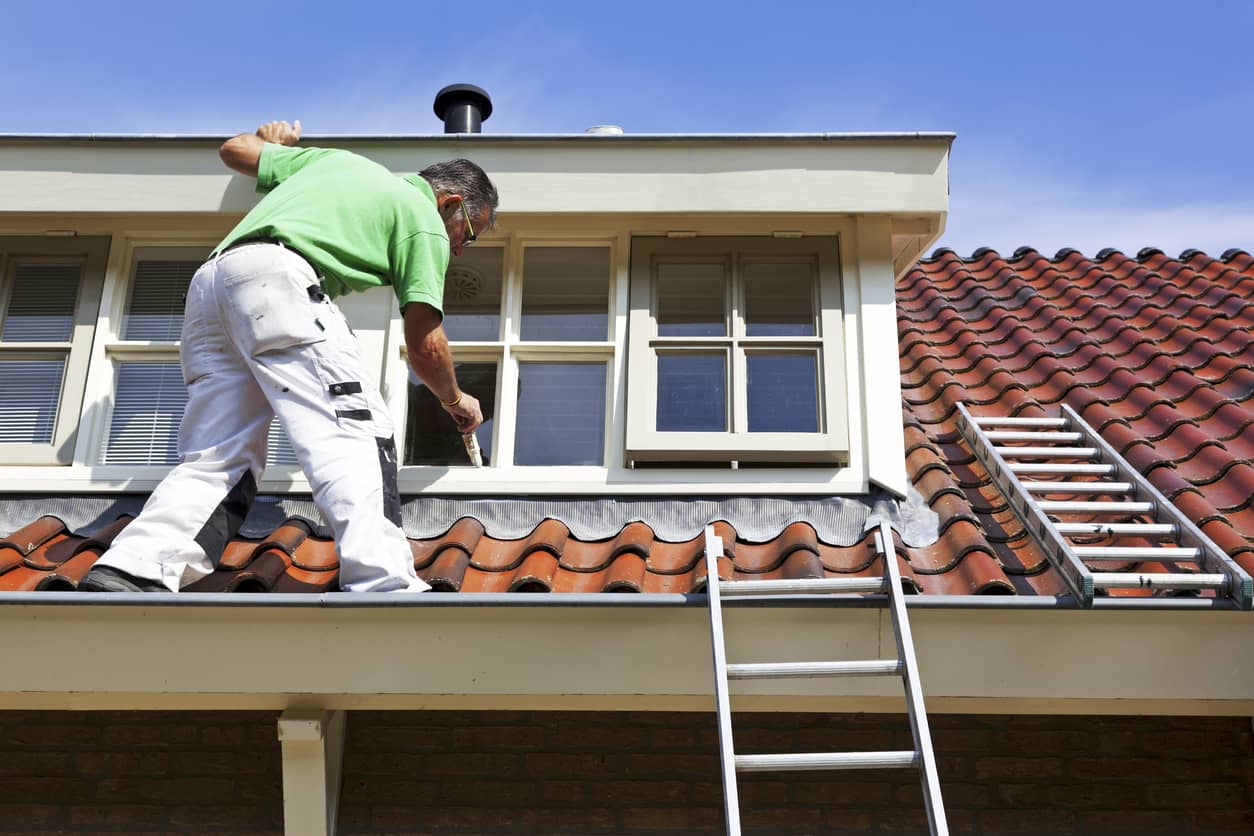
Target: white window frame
91 253
645 443
509 350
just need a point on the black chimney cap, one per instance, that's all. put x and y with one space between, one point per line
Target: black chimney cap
462 107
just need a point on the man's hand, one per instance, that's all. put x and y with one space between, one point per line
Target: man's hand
466 413
280 132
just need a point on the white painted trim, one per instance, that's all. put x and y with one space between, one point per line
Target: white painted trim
885 435
484 656
639 174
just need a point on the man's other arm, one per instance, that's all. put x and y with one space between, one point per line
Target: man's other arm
431 359
243 152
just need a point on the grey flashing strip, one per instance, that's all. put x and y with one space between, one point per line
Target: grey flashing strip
865 136
357 600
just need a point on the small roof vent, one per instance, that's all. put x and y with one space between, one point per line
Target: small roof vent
463 108
604 129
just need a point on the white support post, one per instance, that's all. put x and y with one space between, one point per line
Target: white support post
313 746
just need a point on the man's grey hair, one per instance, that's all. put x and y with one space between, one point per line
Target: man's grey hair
466 179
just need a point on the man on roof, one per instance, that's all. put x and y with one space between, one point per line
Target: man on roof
262 337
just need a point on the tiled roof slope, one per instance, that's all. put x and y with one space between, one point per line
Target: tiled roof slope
1156 353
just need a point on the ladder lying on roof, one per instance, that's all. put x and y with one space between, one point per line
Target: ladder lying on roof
1069 448
905 665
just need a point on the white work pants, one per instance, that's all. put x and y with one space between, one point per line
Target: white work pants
259 340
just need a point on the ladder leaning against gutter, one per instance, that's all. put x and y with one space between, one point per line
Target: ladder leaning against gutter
1020 450
905 665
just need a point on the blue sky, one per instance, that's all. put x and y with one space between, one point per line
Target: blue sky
1085 124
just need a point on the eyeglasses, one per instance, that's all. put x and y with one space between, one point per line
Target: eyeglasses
470 229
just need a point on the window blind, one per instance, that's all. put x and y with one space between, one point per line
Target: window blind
28 400
148 407
41 308
155 309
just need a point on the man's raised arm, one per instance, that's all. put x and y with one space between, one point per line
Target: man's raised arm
243 152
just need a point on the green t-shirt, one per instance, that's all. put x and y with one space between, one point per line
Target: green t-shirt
358 224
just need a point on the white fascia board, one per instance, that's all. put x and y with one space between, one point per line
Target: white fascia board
669 174
466 651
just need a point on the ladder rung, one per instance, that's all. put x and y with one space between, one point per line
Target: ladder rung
1078 487
1133 580
1062 468
1056 452
826 760
1021 435
1121 553
802 586
1096 507
1141 529
794 670
991 421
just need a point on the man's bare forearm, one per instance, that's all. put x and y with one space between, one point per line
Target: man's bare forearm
243 152
432 360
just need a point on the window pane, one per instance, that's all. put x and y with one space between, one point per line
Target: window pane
155 309
779 300
148 407
783 393
566 293
41 307
692 392
431 437
28 400
561 414
472 295
690 300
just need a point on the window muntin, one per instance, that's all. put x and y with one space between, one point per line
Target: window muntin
49 300
736 354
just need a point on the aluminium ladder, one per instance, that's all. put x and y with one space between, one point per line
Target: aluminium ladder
1068 448
905 665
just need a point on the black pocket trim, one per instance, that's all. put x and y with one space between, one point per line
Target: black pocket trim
350 387
387 469
354 414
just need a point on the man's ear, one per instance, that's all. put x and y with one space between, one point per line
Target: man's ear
444 198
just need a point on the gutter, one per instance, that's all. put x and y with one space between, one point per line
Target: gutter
853 136
359 600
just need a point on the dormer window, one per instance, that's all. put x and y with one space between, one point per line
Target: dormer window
736 351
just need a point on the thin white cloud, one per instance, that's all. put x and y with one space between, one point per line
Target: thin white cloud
1029 204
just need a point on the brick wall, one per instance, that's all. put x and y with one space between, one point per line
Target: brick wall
624 773
139 772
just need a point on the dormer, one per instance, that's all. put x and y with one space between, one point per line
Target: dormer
653 314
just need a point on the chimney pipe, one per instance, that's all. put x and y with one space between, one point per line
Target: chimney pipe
463 107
